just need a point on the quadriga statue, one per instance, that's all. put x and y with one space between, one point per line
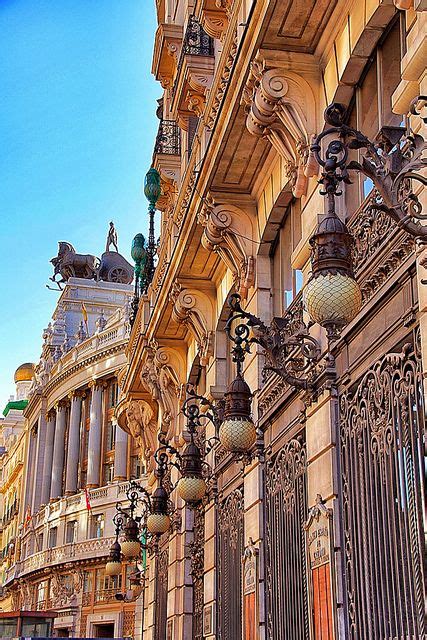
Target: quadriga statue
69 264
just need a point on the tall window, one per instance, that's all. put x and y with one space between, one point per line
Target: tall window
137 467
71 532
110 435
53 536
287 282
371 107
108 473
98 524
87 581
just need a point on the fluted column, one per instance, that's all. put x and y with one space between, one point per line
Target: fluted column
120 454
73 451
48 456
95 434
58 451
39 462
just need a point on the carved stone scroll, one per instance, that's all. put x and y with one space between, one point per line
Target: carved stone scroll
280 108
227 232
192 309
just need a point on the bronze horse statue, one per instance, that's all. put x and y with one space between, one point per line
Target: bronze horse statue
69 264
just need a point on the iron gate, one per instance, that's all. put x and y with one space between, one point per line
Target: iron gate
286 513
382 428
230 554
161 606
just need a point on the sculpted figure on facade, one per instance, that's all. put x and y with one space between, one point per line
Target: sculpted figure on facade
143 428
161 381
281 108
227 232
187 310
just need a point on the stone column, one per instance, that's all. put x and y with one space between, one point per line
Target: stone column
95 434
58 451
48 456
73 443
120 454
29 480
39 462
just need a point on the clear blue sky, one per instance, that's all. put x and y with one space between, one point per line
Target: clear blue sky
77 129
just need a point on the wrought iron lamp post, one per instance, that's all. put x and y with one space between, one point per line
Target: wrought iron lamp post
152 191
332 297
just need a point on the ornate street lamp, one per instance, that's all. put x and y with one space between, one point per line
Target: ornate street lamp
196 475
332 297
139 256
152 191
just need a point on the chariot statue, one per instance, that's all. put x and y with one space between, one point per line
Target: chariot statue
69 264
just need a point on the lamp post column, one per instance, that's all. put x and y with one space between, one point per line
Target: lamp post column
58 450
73 443
48 456
95 434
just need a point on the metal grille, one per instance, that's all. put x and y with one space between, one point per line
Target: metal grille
196 43
168 139
231 547
286 513
197 572
162 594
382 427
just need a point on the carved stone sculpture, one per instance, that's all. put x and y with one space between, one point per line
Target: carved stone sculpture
70 264
143 428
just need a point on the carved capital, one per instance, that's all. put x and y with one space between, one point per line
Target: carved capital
279 104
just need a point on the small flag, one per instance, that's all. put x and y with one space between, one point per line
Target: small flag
88 505
84 314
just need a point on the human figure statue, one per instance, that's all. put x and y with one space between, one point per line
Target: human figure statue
112 238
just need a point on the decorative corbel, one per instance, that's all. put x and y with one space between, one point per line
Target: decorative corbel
195 102
187 310
215 23
279 105
168 196
227 232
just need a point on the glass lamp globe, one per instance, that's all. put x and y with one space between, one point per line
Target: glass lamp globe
191 488
332 299
131 548
158 523
113 568
237 435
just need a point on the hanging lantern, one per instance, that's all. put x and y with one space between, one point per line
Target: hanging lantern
191 486
158 521
131 546
114 565
237 432
332 296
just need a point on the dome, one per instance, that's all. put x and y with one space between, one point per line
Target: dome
25 372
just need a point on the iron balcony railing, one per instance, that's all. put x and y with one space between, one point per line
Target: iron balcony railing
168 139
196 43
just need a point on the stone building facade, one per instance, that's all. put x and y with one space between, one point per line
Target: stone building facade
320 536
75 465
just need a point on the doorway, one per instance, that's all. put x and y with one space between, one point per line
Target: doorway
104 630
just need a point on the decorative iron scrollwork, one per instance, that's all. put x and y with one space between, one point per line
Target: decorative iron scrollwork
392 163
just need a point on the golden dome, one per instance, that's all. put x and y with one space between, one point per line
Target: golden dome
25 372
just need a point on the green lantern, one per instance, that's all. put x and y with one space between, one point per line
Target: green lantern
152 187
138 250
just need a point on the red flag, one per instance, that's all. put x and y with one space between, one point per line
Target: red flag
88 506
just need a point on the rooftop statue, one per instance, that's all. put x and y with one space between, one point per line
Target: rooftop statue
112 238
112 267
69 264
